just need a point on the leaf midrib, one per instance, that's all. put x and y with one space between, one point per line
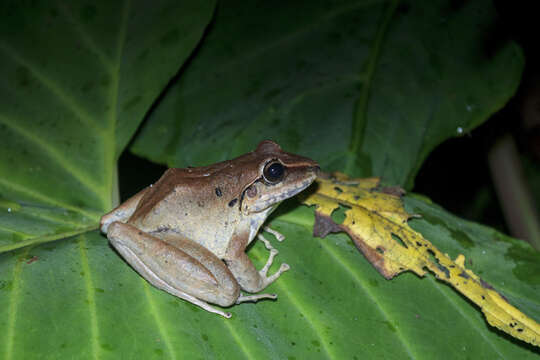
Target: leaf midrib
360 118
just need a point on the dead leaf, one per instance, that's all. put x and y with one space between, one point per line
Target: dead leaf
377 222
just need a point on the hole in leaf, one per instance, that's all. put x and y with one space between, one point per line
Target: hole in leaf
398 240
435 260
338 216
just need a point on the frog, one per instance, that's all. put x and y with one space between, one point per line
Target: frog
188 232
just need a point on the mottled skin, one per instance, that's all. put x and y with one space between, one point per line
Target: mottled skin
177 232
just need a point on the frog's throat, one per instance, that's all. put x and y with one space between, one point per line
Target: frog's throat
256 220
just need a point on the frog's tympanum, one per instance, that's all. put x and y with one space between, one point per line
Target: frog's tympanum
187 233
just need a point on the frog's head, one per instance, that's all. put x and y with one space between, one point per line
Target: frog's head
280 175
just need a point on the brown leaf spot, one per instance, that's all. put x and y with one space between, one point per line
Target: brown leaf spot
486 285
32 259
324 226
376 259
393 190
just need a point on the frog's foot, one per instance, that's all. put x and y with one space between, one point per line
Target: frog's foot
270 279
273 252
279 236
255 298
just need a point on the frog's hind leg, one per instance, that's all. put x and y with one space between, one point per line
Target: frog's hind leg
160 284
177 265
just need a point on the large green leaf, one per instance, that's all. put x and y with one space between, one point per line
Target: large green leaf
76 79
63 126
76 296
366 87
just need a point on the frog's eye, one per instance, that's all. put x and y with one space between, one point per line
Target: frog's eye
273 172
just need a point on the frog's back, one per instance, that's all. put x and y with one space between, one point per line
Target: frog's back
200 208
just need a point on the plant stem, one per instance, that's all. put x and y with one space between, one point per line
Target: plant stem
513 192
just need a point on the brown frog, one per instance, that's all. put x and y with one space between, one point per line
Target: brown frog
187 233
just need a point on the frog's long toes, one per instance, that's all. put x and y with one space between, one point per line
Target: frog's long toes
273 254
255 298
270 279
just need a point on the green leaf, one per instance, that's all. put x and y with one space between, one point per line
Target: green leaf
83 299
76 80
365 87
64 122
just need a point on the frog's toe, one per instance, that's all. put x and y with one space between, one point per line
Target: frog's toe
270 279
279 236
269 262
255 298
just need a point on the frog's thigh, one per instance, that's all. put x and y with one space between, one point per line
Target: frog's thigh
180 268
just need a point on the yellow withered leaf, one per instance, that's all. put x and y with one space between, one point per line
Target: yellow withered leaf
377 222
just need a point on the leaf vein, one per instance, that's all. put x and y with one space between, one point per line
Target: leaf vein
473 324
341 262
38 196
294 301
94 330
15 231
360 118
238 340
157 318
67 100
83 179
13 306
338 260
46 238
85 36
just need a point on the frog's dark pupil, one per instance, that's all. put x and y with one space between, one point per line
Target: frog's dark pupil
274 172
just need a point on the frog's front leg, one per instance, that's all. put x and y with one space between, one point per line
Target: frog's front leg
122 212
244 271
177 265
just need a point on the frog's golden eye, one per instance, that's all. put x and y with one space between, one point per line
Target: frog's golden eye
273 172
